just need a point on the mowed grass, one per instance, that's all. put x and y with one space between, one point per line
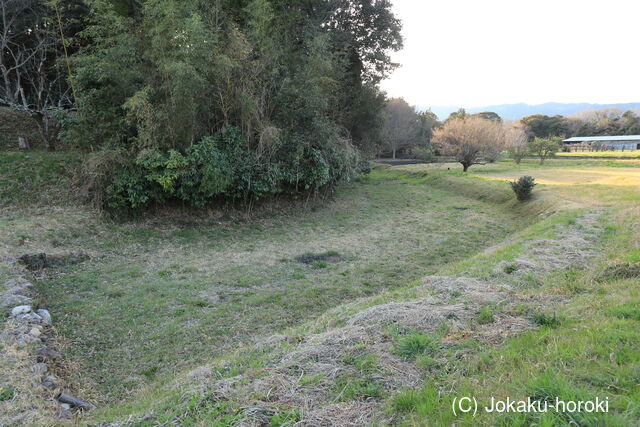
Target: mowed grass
162 295
585 350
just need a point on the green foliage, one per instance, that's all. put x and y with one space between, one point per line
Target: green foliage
543 319
543 126
488 115
523 187
354 388
223 167
426 154
6 393
629 310
231 100
414 344
485 315
289 417
545 147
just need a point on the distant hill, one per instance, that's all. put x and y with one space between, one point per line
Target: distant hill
517 111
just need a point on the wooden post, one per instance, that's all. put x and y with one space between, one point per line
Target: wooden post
23 143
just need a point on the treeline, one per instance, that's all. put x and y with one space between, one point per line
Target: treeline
200 101
410 133
604 122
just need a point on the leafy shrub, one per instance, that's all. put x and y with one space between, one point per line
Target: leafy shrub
426 154
220 167
523 187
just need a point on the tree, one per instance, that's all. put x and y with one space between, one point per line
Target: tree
428 123
545 147
469 140
460 114
543 126
629 124
401 125
288 92
517 141
361 33
32 80
488 115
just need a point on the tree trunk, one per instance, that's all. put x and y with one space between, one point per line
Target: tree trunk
394 154
23 143
43 124
465 167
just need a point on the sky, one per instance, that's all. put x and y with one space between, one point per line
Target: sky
472 53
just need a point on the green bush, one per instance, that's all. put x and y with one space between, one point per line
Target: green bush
426 154
222 167
523 187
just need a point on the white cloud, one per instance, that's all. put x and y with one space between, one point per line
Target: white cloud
473 53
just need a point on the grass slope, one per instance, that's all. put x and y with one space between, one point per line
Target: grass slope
162 296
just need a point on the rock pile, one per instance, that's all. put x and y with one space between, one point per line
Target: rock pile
30 327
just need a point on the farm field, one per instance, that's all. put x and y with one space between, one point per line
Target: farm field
635 154
557 171
164 310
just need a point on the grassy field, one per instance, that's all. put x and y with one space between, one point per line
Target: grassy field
635 154
162 296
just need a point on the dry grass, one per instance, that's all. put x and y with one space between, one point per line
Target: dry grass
30 404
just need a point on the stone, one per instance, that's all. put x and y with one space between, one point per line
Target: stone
50 382
19 289
35 332
29 318
16 282
39 368
65 414
34 262
21 309
47 354
65 406
42 260
46 316
14 300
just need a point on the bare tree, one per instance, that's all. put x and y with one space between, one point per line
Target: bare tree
517 140
470 140
31 80
401 125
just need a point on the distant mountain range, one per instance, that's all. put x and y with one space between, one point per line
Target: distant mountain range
518 111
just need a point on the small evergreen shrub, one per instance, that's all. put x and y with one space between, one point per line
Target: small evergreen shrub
523 187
